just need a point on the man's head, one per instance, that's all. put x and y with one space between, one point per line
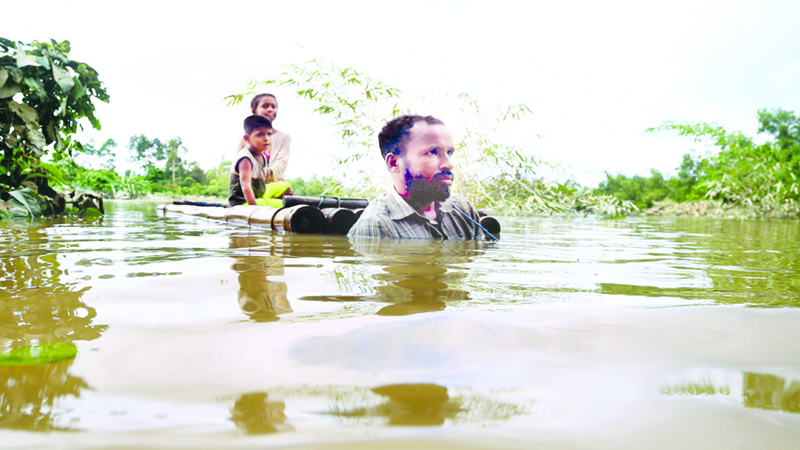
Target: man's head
417 151
265 105
257 132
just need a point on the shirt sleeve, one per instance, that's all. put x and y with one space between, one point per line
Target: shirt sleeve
279 158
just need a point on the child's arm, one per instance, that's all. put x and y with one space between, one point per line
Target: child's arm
279 158
246 180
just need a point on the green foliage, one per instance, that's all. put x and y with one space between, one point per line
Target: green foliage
494 175
153 154
101 181
218 179
165 170
644 191
130 186
313 187
105 152
763 177
27 203
43 95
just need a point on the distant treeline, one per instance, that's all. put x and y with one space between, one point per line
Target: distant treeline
162 170
761 177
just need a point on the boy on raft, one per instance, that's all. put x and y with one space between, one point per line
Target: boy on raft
277 155
249 168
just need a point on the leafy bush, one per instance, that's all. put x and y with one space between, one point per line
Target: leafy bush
55 92
739 171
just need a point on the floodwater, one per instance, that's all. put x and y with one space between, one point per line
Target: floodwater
569 333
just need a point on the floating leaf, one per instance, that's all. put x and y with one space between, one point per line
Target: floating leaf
38 354
26 203
91 214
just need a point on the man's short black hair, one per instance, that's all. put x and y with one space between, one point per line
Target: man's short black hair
254 101
256 122
391 136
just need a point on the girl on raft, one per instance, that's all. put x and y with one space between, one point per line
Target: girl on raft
277 155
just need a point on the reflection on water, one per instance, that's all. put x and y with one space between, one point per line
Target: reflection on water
744 262
30 393
413 276
704 386
565 329
259 298
759 390
254 414
409 404
37 307
766 391
422 404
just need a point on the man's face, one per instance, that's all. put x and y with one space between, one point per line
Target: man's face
267 107
259 139
427 163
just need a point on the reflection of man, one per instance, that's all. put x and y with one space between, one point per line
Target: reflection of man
253 414
261 299
417 151
411 404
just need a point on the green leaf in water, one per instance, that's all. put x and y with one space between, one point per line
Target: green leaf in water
38 354
91 214
25 202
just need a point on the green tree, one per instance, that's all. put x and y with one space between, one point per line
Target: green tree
162 162
313 187
682 187
147 152
106 152
218 178
741 172
43 95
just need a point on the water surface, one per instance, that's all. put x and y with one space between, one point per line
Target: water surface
569 333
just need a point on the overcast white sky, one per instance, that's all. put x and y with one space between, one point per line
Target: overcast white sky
595 74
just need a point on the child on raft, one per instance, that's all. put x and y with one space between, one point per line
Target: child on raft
249 168
277 155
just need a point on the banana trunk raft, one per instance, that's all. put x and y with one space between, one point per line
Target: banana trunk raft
299 214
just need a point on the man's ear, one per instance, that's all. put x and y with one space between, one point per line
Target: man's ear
247 138
393 162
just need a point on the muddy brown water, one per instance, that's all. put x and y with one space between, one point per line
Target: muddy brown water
569 333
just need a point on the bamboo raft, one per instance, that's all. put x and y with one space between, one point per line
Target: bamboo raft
299 214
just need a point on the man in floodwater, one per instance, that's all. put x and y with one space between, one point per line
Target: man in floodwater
418 152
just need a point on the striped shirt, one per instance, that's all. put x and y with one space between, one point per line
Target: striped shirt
390 216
